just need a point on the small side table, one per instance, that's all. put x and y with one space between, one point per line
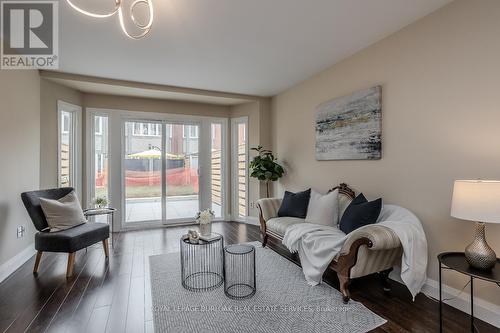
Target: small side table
456 261
202 264
103 211
239 271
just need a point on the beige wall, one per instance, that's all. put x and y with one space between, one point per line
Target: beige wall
19 155
441 118
50 93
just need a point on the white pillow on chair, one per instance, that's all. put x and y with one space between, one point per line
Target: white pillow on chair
323 209
64 213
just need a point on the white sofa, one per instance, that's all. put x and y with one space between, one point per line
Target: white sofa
372 249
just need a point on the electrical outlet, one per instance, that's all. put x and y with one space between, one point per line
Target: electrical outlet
20 231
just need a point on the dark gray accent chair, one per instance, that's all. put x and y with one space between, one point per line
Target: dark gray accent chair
67 241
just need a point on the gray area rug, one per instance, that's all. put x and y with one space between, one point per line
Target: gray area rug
284 302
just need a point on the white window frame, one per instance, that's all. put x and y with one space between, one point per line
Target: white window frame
75 180
235 216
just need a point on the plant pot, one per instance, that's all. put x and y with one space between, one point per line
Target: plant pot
206 229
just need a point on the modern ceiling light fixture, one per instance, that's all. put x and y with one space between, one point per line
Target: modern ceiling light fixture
144 28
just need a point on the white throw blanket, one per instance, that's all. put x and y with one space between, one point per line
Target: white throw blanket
317 245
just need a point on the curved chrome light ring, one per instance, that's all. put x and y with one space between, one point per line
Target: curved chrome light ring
150 8
118 3
145 30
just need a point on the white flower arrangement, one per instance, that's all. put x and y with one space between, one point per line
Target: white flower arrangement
205 216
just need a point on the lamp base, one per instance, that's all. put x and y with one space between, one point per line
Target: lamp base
478 253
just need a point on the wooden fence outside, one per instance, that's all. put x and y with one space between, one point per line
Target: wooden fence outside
217 179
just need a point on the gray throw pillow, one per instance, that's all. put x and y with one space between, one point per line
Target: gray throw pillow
64 213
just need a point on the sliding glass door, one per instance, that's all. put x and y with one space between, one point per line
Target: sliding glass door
142 166
161 171
155 168
182 171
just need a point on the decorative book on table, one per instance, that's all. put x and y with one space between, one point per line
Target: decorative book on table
211 237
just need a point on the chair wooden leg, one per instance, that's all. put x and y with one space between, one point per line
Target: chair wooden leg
71 263
37 261
384 279
264 240
106 247
344 287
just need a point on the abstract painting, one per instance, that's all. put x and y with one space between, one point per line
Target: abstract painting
350 127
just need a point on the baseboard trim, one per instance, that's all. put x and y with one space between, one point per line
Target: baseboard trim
483 310
10 266
252 220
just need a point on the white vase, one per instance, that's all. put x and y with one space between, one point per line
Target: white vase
206 229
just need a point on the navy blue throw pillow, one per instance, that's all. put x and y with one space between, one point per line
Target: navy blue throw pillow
360 212
295 204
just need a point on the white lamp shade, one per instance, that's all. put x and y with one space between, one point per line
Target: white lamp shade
476 200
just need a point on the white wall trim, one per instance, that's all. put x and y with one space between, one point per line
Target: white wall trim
9 267
483 310
252 220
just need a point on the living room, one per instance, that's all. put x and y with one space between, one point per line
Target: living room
250 166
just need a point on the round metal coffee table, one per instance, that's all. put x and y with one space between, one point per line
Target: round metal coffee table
239 271
202 264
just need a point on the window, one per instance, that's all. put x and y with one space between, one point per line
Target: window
240 167
100 155
98 125
143 129
66 120
193 132
217 172
69 146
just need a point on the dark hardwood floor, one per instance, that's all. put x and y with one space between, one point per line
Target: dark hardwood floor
114 295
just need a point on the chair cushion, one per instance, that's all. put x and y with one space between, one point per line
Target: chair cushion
63 213
295 204
278 225
73 239
323 209
31 201
360 213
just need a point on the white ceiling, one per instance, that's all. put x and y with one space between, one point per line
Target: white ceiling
257 47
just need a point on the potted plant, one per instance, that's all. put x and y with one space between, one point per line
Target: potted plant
265 168
100 202
204 219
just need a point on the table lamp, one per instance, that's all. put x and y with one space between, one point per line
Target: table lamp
479 201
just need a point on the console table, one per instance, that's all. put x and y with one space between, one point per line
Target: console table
456 261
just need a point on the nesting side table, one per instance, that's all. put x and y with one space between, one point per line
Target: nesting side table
202 264
239 271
